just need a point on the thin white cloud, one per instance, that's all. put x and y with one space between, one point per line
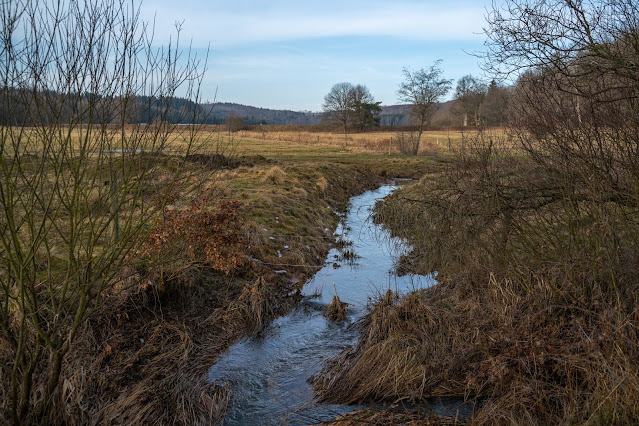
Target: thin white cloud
223 28
274 53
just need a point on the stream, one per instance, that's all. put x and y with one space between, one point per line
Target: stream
269 375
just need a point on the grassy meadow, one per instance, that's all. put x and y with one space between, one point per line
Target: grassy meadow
308 143
364 143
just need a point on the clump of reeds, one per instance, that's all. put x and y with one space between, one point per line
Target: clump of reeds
257 303
487 340
336 310
134 367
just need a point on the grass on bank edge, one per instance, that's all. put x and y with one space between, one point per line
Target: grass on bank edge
546 338
144 357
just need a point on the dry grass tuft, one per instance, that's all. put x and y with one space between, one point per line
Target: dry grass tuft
133 367
275 175
386 362
257 303
322 183
336 310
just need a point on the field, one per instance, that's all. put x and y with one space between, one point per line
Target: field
533 287
197 260
370 142
309 143
134 249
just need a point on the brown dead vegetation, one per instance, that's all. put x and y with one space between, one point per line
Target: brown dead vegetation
275 175
394 417
336 310
212 269
554 361
535 312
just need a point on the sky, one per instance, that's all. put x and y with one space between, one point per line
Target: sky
287 54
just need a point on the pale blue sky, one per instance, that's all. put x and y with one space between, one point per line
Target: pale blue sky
288 54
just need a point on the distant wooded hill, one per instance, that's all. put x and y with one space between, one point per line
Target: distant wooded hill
392 115
399 115
176 110
219 112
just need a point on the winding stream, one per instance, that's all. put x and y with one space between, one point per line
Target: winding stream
269 375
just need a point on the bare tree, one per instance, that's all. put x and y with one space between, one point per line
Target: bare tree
495 104
470 94
361 95
553 34
423 89
366 111
574 107
234 123
75 173
349 105
338 106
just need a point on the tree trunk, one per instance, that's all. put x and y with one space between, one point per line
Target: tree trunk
345 137
419 138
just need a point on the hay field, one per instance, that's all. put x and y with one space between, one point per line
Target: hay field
307 143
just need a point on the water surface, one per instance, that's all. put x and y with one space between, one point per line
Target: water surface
269 375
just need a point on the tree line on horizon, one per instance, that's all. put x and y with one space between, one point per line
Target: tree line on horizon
475 102
487 102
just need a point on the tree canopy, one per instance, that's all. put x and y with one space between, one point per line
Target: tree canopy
423 89
351 105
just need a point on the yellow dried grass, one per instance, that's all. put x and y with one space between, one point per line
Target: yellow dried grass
275 175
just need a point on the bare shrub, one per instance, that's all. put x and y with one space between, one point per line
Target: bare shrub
533 235
84 105
406 142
